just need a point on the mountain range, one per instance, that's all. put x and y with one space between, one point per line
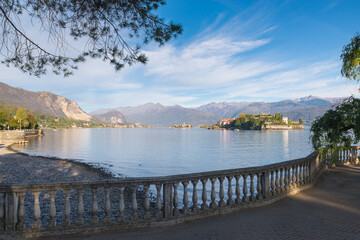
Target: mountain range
306 108
155 114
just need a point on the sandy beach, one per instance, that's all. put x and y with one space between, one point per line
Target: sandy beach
17 168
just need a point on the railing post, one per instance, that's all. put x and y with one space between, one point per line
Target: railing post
52 211
176 200
185 209
266 183
194 207
204 205
2 211
10 211
21 212
147 202
159 215
167 200
230 201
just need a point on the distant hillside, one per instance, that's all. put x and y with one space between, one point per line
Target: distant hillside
114 117
306 108
45 102
159 115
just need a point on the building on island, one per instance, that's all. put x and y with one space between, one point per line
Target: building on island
184 125
285 120
225 121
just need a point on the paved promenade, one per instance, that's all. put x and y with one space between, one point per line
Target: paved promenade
329 210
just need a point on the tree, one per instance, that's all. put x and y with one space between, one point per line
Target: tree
106 28
301 121
278 116
21 116
338 128
32 122
3 119
351 58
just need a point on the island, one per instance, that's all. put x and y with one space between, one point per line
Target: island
259 122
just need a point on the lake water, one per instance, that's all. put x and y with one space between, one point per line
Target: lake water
144 152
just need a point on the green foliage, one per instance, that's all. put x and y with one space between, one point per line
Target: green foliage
14 124
351 58
20 114
338 128
103 25
278 116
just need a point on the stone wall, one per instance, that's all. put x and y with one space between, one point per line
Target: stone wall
12 135
19 134
282 127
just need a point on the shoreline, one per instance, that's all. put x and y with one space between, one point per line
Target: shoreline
18 168
99 170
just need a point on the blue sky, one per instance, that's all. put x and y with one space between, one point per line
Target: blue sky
230 50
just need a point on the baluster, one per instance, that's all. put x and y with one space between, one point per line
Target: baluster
297 176
221 194
213 194
252 189
159 214
134 215
245 198
289 176
258 187
80 211
293 177
2 210
185 209
237 190
204 205
282 188
301 180
176 200
21 212
277 182
107 218
230 201
272 183
304 173
94 219
36 223
52 210
67 207
121 204
286 179
309 172
147 202
194 207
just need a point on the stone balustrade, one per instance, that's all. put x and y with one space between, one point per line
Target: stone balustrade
120 204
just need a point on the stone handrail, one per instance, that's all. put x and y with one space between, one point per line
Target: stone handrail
34 210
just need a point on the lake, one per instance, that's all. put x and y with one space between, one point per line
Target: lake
145 152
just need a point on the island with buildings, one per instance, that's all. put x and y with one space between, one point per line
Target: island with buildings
259 122
183 125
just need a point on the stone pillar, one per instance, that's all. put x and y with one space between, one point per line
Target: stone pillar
10 211
266 188
167 200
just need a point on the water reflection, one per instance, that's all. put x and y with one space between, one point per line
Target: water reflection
159 152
